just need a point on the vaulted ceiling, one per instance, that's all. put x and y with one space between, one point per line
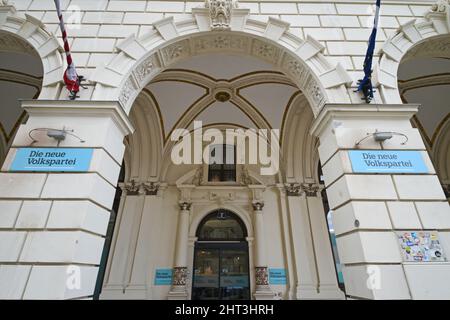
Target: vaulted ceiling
221 89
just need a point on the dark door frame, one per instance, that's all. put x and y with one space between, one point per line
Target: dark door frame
221 245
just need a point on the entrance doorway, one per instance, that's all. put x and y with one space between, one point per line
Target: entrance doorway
221 261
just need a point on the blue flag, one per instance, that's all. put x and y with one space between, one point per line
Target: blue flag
365 85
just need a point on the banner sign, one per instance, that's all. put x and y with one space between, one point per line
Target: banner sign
163 277
420 246
277 276
52 159
387 161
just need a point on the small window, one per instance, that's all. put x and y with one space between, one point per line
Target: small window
221 225
222 164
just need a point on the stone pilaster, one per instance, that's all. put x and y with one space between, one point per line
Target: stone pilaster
180 272
53 224
262 291
368 209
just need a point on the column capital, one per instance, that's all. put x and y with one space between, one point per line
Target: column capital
311 189
258 205
185 206
293 189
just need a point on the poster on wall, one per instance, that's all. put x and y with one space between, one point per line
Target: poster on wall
163 277
420 246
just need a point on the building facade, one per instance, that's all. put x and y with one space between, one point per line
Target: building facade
137 224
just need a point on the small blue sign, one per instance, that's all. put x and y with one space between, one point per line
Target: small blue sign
163 277
52 159
277 276
387 161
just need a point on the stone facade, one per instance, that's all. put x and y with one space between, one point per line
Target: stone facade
53 225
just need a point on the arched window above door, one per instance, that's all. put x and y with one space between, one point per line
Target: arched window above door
221 225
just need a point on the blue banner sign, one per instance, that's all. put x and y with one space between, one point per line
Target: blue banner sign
387 161
277 276
163 277
52 159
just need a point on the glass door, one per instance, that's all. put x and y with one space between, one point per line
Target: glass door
221 272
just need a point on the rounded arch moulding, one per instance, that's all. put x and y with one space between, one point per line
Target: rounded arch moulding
36 40
137 61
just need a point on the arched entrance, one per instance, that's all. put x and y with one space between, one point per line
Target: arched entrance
221 259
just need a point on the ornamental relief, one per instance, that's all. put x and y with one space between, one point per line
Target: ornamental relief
266 51
175 52
145 68
295 68
220 42
179 276
128 90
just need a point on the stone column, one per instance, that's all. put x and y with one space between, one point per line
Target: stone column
262 290
369 208
179 290
53 224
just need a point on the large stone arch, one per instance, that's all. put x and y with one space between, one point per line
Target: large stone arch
38 39
427 37
139 60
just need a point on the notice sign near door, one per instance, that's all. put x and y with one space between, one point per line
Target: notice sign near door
52 159
163 277
387 161
277 276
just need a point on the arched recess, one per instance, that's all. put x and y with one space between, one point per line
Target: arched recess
139 60
33 32
297 143
242 215
143 156
428 37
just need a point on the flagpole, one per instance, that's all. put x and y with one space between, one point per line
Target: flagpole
71 78
365 85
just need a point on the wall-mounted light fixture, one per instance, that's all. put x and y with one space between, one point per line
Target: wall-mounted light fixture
57 134
382 136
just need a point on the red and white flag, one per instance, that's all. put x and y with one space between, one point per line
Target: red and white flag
71 78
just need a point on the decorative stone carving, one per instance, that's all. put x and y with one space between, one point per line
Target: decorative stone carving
261 276
185 206
175 51
131 188
220 42
144 69
310 189
4 2
258 206
127 91
440 6
293 189
150 188
266 51
220 13
179 276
